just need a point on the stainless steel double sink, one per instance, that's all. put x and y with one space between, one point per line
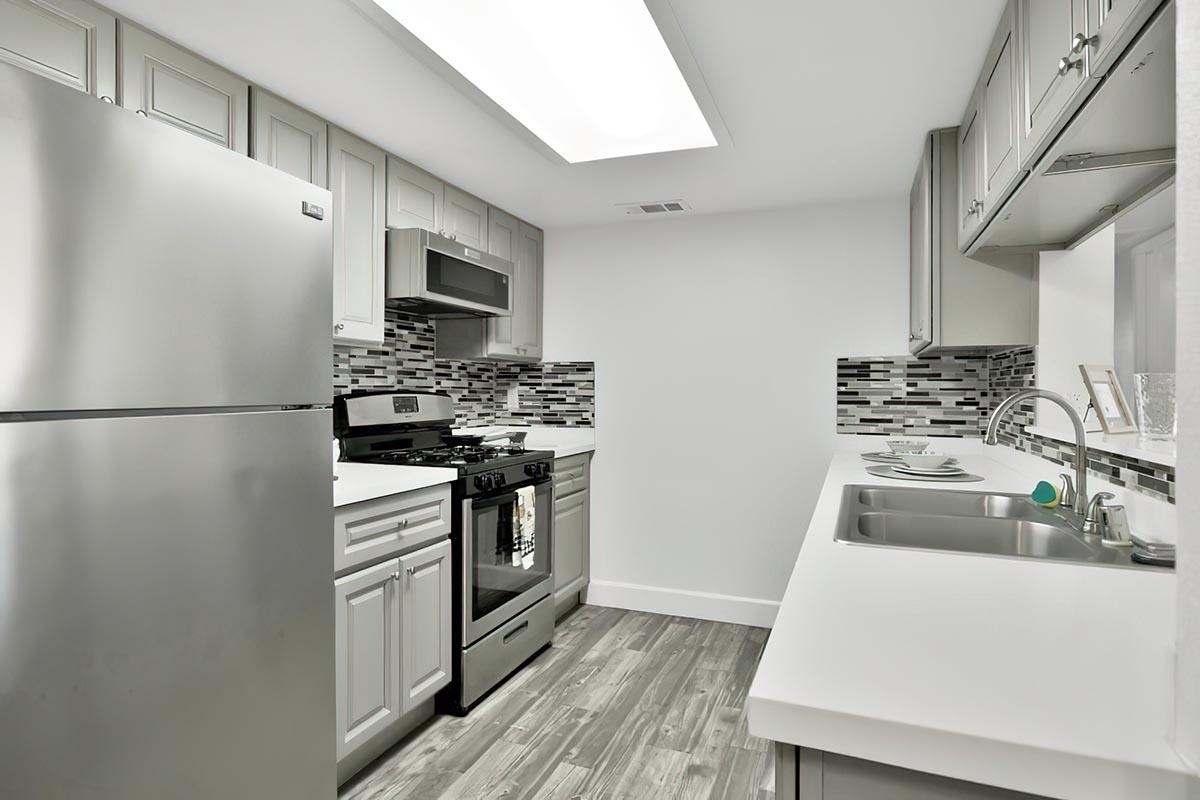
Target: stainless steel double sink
980 523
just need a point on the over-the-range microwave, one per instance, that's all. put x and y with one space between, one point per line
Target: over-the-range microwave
440 277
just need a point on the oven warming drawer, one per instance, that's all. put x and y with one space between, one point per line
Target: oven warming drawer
488 661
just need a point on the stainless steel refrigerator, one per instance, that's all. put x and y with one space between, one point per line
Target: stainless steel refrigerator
166 615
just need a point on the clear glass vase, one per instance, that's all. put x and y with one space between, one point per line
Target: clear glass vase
1156 405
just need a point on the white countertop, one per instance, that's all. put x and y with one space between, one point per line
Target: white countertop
566 441
359 482
1043 677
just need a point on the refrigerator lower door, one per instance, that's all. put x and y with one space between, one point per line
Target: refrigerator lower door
142 267
166 607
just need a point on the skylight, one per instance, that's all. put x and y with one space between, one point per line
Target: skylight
592 79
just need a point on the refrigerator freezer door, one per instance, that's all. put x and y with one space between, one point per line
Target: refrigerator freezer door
166 607
141 267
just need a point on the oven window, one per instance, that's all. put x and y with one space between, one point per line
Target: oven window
452 277
495 580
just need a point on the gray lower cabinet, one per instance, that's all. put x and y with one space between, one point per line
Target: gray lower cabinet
424 624
572 530
169 84
289 138
392 630
367 649
802 773
356 179
70 41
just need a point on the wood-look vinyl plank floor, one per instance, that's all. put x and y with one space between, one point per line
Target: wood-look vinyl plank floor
622 706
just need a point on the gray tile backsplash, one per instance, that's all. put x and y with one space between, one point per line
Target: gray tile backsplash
561 393
953 395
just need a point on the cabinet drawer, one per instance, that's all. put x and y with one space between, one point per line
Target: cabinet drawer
383 527
571 474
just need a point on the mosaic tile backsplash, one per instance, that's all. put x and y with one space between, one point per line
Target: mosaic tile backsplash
953 395
559 393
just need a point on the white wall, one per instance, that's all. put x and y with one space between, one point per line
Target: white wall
1075 322
1188 388
715 340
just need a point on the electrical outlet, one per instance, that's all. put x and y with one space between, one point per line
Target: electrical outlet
514 401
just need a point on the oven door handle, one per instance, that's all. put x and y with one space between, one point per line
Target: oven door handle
478 503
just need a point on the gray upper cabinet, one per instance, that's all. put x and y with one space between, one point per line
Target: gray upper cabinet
169 84
466 218
1055 69
527 294
921 254
367 652
1111 24
504 231
517 337
1000 103
69 41
356 179
414 197
969 212
954 301
289 138
425 624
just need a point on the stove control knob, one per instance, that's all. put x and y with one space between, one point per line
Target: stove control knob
533 470
543 469
481 482
500 479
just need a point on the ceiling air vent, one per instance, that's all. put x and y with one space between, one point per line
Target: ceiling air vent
655 207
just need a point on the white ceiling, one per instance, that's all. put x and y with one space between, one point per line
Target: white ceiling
822 100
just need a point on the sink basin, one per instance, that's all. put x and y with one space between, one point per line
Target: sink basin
960 504
979 523
1000 537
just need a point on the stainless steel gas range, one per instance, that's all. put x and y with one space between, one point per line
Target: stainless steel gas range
503 609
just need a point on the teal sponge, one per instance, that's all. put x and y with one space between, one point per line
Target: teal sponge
1045 495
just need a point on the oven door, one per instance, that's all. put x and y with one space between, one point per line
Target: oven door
493 589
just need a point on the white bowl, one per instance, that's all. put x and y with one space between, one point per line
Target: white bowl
906 445
924 460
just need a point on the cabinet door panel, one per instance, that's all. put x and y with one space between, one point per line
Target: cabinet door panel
1047 30
970 179
368 654
173 86
920 252
503 241
356 178
570 539
466 218
414 198
426 627
1113 23
289 138
1001 115
69 41
527 294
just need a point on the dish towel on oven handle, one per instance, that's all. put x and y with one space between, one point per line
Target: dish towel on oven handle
524 527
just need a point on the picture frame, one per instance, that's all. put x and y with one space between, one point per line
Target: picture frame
1108 398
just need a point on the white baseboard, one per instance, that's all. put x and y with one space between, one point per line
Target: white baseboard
681 603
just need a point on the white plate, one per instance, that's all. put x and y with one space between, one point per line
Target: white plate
885 457
945 470
886 471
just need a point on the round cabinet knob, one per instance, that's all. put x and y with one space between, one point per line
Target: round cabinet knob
339 327
1065 65
1080 41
